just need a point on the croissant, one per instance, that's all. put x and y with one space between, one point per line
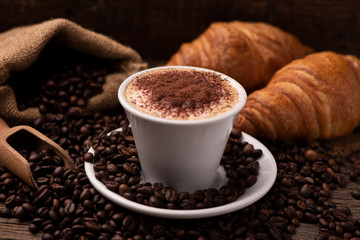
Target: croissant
317 97
248 52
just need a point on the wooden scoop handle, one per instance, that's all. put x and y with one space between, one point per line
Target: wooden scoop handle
3 125
14 161
11 159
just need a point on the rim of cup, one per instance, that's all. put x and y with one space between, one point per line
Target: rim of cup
235 110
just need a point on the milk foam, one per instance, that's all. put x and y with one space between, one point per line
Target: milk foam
140 99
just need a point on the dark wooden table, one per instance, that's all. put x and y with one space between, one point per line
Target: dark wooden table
14 229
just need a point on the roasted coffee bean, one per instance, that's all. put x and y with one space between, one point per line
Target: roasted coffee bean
130 223
154 201
248 150
5 212
58 188
310 217
128 168
112 168
8 182
355 194
145 190
28 208
112 185
171 195
42 196
341 180
33 228
10 202
85 194
88 204
251 180
69 208
311 155
47 236
19 212
353 175
88 157
306 190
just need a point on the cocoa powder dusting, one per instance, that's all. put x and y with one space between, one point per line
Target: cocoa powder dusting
182 94
182 89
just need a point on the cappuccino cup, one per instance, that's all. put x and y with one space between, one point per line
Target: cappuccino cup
181 118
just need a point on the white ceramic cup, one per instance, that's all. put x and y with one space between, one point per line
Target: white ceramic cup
183 154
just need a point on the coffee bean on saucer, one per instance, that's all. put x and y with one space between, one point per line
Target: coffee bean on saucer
88 157
124 178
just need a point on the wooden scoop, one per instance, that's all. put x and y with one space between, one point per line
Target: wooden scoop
24 136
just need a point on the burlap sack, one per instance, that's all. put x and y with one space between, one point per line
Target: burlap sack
21 46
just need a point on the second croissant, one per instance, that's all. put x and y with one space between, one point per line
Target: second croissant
317 97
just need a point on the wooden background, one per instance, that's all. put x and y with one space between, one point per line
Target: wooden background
156 28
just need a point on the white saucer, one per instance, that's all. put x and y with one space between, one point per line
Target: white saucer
266 178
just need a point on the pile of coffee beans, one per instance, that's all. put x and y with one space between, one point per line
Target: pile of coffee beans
66 206
117 166
65 80
306 178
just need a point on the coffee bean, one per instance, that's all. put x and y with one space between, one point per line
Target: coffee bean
28 208
49 228
123 188
57 188
85 194
154 201
19 212
355 194
5 213
88 204
306 190
69 208
130 223
327 177
236 133
171 195
33 228
112 168
341 180
108 228
112 186
47 236
8 182
128 168
353 175
251 180
286 182
311 155
101 216
310 217
248 149
88 157
348 227
145 190
275 232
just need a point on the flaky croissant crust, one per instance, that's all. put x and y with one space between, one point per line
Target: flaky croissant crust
248 52
317 97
